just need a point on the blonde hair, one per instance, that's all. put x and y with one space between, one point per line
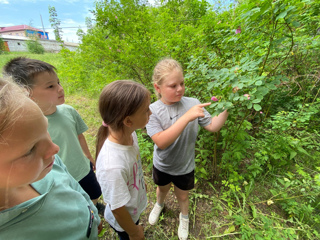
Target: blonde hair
163 68
11 98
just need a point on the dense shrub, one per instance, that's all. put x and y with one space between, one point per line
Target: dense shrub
260 59
35 47
2 46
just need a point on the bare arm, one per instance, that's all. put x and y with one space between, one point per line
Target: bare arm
217 122
85 149
165 138
124 219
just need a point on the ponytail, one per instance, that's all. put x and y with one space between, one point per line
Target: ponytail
102 135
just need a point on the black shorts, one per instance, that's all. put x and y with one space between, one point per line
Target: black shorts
90 184
184 182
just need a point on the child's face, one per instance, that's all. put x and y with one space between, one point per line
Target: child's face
27 153
172 88
141 117
47 92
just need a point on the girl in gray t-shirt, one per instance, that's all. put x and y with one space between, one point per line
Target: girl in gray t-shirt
173 126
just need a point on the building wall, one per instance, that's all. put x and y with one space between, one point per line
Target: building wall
18 44
28 33
17 33
39 34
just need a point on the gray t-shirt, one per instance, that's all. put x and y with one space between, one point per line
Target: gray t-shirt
178 158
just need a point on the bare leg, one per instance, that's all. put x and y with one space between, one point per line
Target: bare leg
183 199
162 192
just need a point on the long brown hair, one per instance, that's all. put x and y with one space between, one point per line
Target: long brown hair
118 100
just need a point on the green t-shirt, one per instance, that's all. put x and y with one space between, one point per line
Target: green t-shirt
64 127
61 211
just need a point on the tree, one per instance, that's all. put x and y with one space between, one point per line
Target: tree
55 23
80 33
2 46
89 23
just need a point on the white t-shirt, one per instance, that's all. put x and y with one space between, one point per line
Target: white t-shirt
119 173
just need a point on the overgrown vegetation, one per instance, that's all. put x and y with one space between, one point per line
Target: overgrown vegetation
2 46
259 177
34 46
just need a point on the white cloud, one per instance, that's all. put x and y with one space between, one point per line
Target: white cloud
4 2
68 21
6 24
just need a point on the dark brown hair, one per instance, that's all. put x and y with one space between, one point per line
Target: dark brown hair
118 100
23 70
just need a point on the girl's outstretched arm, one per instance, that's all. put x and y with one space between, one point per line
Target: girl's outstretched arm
165 138
124 219
217 122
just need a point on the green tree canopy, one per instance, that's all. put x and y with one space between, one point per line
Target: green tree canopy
55 23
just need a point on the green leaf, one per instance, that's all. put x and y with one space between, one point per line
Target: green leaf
271 86
258 83
292 154
230 229
257 107
254 211
296 24
282 15
203 170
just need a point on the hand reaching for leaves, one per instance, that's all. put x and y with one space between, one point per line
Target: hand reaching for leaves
196 111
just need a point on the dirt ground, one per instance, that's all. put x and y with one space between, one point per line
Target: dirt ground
206 217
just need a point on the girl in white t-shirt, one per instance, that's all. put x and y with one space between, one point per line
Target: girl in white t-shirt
124 107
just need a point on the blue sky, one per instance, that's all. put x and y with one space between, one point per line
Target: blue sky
72 14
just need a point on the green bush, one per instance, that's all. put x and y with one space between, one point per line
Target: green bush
260 59
35 47
2 46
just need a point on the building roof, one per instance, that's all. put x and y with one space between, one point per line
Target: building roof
18 28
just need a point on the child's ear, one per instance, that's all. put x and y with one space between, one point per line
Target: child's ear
127 122
27 92
156 87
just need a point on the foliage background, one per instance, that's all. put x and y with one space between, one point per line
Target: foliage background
259 177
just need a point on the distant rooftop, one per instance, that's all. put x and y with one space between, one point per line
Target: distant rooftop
18 28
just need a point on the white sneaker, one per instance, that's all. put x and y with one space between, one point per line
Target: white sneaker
155 214
183 230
